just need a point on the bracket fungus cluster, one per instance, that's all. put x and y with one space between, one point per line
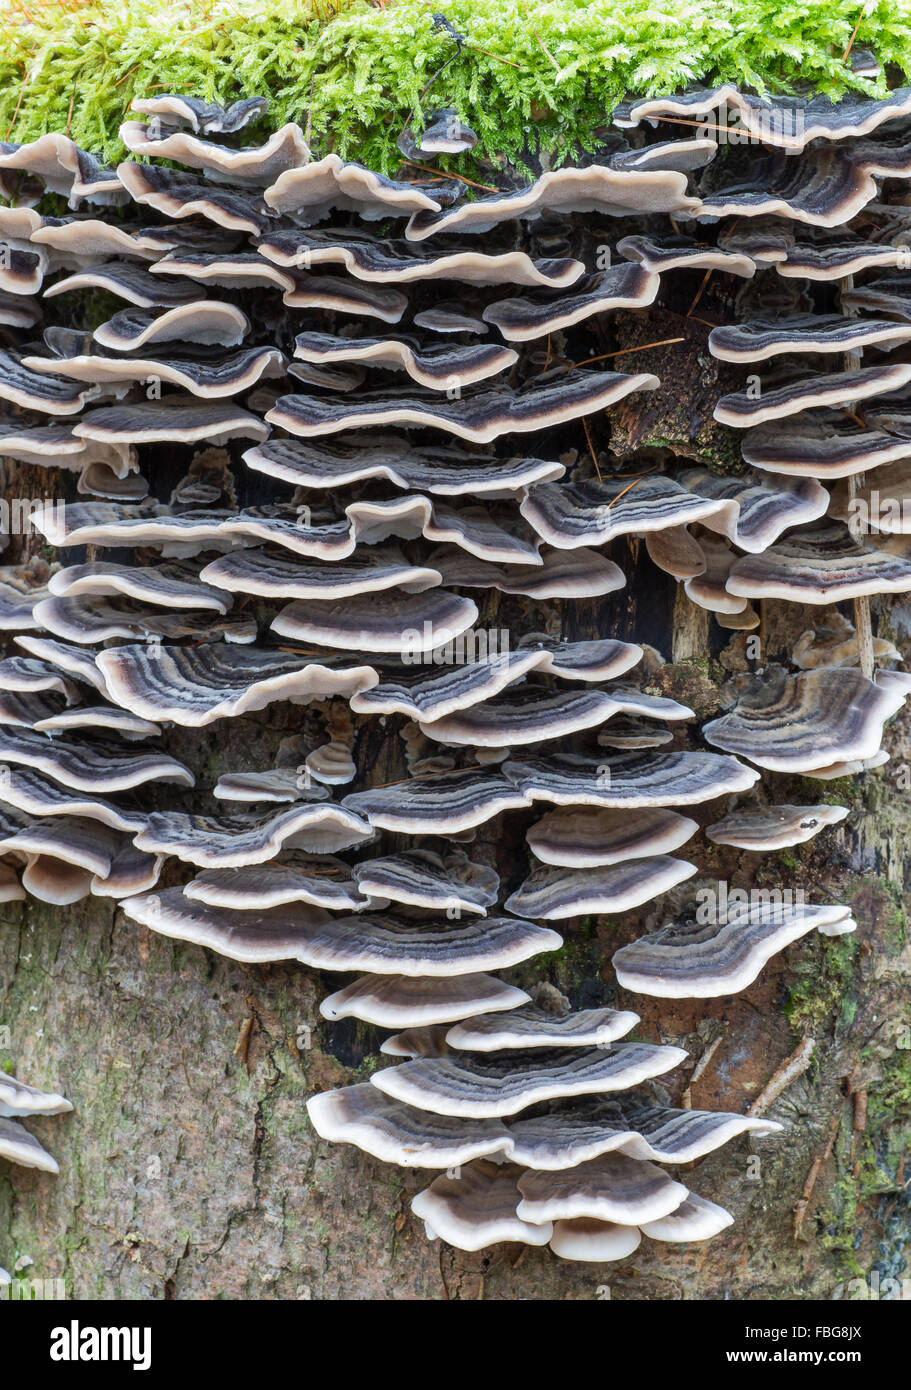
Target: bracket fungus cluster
17 1144
313 429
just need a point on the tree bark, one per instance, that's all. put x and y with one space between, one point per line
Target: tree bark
189 1168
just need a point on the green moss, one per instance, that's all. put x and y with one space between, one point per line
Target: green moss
871 1163
578 951
840 791
842 1215
367 1067
880 903
820 989
528 74
895 920
726 462
891 1097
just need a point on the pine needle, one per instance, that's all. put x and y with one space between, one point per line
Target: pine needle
591 448
618 352
705 280
863 15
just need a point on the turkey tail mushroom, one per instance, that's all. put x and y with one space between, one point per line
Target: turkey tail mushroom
431 619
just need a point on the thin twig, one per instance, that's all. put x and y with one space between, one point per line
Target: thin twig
698 125
850 45
698 1070
18 104
627 489
618 352
691 318
540 42
705 280
487 54
309 130
790 1069
442 68
426 87
120 81
800 1210
487 187
591 447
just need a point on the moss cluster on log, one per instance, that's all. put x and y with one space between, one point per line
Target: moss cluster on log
526 75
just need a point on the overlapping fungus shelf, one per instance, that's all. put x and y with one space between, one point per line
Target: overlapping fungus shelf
347 451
